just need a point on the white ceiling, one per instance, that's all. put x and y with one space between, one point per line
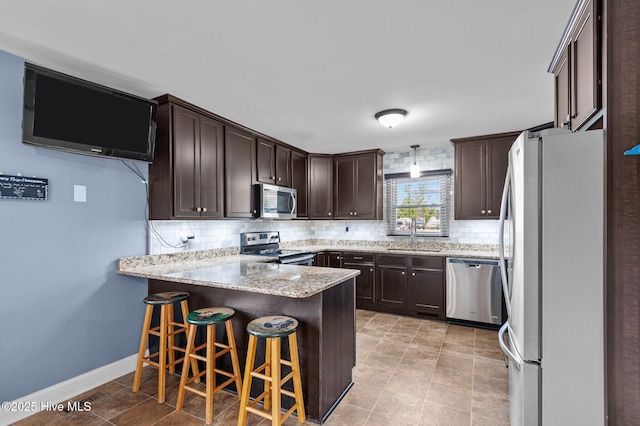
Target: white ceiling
308 72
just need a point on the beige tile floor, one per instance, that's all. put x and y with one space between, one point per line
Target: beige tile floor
409 372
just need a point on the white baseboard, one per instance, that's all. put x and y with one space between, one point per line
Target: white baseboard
68 389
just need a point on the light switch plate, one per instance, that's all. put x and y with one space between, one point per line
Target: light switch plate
80 193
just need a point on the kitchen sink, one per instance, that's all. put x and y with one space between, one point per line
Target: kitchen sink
419 250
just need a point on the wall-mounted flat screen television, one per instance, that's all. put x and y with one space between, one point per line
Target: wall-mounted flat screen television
66 113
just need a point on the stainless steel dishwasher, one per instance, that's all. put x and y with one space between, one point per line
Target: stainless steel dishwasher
474 291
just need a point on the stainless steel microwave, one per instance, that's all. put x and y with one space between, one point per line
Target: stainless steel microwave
275 202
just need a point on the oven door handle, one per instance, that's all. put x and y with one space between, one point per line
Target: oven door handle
303 259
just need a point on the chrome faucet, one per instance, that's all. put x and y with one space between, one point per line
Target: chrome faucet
413 237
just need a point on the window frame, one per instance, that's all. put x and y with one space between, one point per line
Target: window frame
445 205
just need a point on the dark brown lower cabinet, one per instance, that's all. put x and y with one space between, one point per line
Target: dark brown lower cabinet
320 259
334 259
365 282
426 286
391 272
396 284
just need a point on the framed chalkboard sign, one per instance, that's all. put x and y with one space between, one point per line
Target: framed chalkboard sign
23 188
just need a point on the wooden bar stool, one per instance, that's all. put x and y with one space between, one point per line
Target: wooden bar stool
209 317
166 331
272 328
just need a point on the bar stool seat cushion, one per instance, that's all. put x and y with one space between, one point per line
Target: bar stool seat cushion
272 326
166 298
206 316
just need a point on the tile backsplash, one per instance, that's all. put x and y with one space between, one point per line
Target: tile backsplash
165 236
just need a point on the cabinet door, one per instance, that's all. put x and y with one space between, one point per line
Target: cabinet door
334 259
428 287
239 165
211 168
186 163
365 286
283 166
392 285
300 180
563 90
497 157
344 187
365 186
470 184
265 161
320 187
585 99
319 259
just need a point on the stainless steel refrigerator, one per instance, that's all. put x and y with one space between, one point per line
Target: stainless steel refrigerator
553 210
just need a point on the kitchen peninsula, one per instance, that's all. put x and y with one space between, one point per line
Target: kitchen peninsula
321 299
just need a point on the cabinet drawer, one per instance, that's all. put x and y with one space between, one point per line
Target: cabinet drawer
392 260
427 262
359 258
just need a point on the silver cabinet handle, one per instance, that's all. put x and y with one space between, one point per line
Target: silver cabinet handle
329 213
413 274
350 213
402 272
483 211
279 179
198 209
204 209
371 270
357 257
355 213
488 211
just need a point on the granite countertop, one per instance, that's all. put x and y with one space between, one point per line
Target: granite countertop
455 251
236 272
225 268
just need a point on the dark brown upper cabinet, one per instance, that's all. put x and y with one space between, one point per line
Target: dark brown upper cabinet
577 68
320 186
273 162
300 181
186 177
481 166
239 167
358 185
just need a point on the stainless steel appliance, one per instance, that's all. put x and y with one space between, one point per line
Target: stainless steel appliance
553 338
268 244
275 202
474 291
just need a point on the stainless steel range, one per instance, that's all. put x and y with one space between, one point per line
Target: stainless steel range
268 244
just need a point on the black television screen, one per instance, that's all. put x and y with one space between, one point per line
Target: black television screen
74 115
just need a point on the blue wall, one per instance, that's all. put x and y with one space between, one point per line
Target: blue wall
63 308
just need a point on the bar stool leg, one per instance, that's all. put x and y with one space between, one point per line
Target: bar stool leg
275 380
231 340
143 346
162 355
194 363
210 372
191 337
246 385
297 382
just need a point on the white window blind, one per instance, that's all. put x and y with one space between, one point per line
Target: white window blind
425 201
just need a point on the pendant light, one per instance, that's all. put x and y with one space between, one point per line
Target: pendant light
391 117
415 168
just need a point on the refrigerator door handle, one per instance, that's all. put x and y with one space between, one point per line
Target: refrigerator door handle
505 348
503 262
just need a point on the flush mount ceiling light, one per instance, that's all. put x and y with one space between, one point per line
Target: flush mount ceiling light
415 168
391 117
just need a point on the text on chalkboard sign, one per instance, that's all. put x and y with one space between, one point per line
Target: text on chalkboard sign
23 188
